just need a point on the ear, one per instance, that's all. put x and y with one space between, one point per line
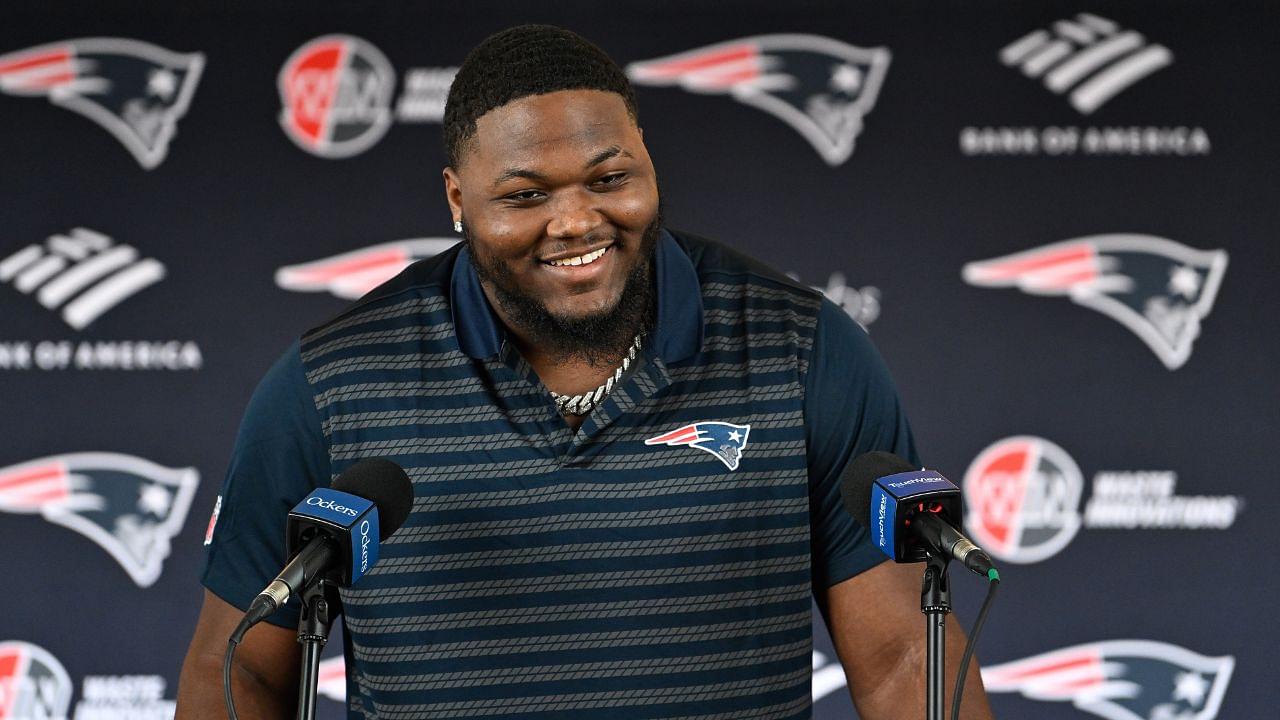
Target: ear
453 192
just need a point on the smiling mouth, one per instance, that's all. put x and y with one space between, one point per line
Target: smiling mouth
584 259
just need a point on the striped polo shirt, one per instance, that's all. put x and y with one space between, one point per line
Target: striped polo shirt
659 562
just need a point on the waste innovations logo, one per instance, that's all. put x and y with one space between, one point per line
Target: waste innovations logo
351 274
134 90
336 94
124 697
1090 60
81 276
823 88
1120 680
1157 288
33 683
129 506
1023 497
861 304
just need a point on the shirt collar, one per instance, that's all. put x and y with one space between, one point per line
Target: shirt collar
677 336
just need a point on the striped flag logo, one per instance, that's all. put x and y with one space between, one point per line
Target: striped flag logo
1090 57
81 274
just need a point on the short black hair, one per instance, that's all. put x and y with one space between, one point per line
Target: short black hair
521 61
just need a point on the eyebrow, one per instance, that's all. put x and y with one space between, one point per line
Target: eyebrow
612 151
603 155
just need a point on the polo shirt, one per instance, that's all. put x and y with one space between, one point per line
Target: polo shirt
659 562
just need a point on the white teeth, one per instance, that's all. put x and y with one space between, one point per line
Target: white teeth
581 259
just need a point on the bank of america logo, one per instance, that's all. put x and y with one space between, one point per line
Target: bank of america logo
81 274
1089 56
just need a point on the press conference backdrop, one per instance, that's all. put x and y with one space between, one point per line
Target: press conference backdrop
1058 222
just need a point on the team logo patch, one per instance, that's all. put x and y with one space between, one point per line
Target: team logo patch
724 440
1023 497
336 96
821 87
1157 288
33 684
1121 680
352 274
135 90
129 506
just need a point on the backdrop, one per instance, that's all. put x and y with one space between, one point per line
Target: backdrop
1057 220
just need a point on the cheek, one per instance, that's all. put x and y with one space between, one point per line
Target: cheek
636 210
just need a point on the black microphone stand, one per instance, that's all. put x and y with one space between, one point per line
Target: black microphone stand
320 605
935 603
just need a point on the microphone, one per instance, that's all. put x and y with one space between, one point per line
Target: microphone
911 513
336 530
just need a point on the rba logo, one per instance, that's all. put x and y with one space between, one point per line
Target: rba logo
1160 289
135 90
1089 56
822 87
336 92
1023 497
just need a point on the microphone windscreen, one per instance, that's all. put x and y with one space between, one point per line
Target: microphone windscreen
386 484
860 473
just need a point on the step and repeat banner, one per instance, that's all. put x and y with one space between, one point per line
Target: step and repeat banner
1057 221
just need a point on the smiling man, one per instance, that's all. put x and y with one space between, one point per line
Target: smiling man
625 442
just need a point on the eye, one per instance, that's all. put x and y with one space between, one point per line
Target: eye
525 196
610 180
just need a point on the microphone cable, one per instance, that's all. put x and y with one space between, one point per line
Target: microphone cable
993 583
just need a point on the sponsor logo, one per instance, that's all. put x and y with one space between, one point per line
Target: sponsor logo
213 521
822 87
129 506
364 545
880 513
1089 60
331 506
1157 288
724 440
861 304
81 276
134 90
33 684
124 697
350 275
336 93
1120 680
1023 497
828 676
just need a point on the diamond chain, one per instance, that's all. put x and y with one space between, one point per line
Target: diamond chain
588 401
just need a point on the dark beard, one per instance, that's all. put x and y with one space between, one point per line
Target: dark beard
600 340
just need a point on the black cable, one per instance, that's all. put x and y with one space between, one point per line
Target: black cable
250 619
994 582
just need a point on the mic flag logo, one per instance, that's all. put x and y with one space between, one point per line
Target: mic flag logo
351 275
1157 288
336 92
135 90
1121 680
724 440
821 87
129 506
1090 54
33 684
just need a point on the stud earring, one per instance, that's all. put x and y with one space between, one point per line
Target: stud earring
457 226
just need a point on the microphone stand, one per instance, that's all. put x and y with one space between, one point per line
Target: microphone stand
935 603
320 605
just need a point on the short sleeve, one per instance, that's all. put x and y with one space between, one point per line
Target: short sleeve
279 457
851 407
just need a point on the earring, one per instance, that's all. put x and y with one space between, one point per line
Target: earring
457 226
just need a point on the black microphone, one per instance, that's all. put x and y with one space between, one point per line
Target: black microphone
911 512
336 531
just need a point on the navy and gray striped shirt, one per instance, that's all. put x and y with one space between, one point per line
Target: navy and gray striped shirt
657 563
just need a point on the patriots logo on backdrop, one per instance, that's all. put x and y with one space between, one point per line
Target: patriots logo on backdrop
1157 288
351 275
820 86
135 90
724 440
129 506
33 684
1121 680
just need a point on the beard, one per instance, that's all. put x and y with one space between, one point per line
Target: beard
600 339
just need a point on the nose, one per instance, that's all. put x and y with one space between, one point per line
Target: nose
574 216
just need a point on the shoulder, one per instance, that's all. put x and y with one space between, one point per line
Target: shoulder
717 262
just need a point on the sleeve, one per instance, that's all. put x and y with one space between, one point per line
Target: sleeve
279 457
851 407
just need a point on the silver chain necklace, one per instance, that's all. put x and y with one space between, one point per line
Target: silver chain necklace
588 401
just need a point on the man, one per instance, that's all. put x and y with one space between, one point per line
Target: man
625 445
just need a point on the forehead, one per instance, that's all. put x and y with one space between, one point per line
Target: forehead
538 128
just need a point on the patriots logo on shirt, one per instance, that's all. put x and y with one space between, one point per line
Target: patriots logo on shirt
820 86
724 440
1121 680
129 506
1157 288
135 90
